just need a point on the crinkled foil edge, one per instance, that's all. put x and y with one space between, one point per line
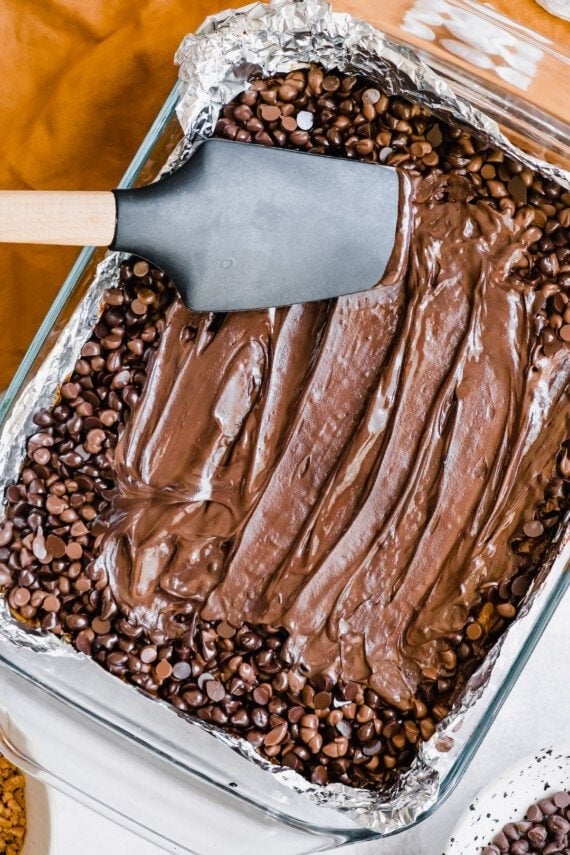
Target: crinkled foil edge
289 34
215 65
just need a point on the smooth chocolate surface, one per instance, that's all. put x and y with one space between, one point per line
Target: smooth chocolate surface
352 472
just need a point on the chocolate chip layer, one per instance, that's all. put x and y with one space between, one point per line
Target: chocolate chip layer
128 529
545 828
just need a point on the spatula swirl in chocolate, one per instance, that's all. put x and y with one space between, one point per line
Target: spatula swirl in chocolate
352 471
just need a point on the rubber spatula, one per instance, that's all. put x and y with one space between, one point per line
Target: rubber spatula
238 226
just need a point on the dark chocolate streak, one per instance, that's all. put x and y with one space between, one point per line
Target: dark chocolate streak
352 471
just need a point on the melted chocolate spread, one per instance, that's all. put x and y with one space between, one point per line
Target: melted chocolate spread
351 470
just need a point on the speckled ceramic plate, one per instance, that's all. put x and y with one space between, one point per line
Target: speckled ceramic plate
507 799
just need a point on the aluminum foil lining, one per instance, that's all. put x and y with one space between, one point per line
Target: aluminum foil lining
217 61
41 388
215 66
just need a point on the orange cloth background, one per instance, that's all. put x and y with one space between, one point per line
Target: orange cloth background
76 99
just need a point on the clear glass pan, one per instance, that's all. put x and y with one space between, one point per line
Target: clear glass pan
132 759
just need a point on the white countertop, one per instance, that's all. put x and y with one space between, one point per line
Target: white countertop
535 716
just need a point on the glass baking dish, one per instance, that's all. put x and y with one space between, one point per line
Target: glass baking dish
78 728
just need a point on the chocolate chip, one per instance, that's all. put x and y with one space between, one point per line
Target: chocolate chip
262 695
322 700
315 79
138 307
295 714
77 622
337 748
562 798
474 631
260 718
543 820
225 630
434 136
148 654
240 718
517 189
510 831
269 113
320 776
533 528
506 610
101 627
344 727
74 551
288 92
305 120
373 748
215 691
94 441
288 124
501 842
163 670
371 96
141 269
331 83
6 531
558 825
310 721
19 597
276 735
41 456
299 138
194 698
182 671
83 642
547 806
520 585
537 836
534 814
70 391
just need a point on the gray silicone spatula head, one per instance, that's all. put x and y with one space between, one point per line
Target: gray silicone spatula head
244 227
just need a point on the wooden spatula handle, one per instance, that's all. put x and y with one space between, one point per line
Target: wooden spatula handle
65 218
